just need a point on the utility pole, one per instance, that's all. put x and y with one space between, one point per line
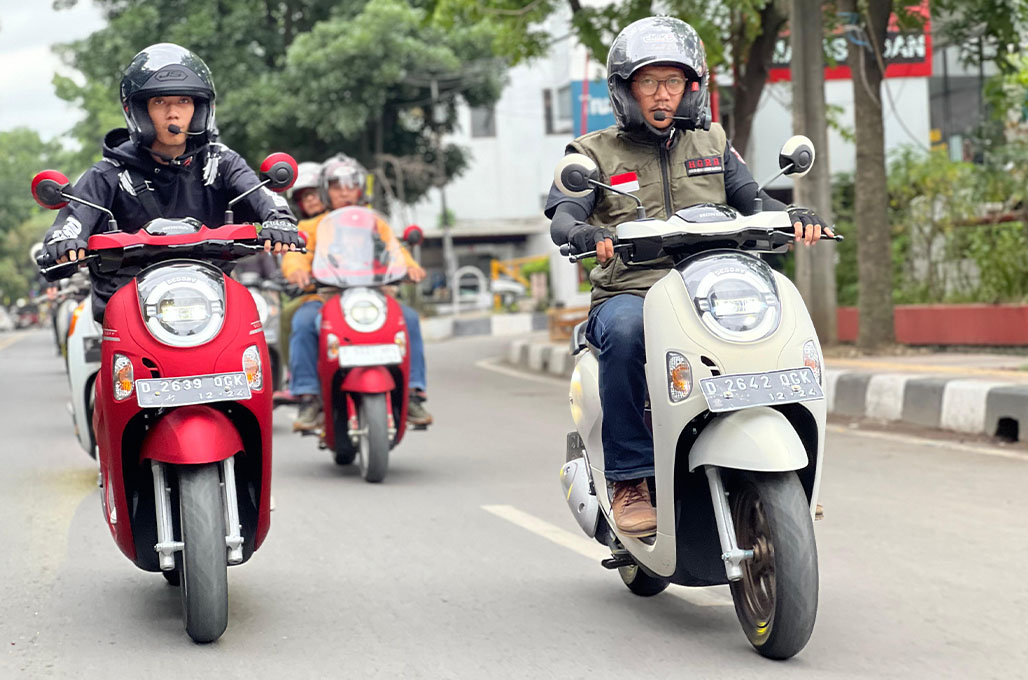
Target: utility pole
449 257
815 266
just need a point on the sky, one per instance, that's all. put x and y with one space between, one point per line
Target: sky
28 28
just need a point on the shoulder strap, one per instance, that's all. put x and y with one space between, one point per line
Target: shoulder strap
142 190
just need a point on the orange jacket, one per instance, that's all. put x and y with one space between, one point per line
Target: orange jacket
292 262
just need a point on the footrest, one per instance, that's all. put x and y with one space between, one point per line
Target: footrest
617 561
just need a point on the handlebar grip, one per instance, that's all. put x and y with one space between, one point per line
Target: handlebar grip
565 250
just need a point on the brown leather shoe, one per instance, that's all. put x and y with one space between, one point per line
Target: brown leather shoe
634 515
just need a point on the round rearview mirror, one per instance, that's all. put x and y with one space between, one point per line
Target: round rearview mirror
798 151
572 175
279 169
413 235
47 188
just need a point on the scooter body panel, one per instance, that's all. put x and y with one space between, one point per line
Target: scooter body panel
121 426
338 381
759 439
191 435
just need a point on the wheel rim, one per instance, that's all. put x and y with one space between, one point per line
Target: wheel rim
757 585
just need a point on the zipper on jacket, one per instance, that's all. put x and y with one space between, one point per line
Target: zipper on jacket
665 162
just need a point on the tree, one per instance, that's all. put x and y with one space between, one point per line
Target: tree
310 77
22 222
989 30
874 257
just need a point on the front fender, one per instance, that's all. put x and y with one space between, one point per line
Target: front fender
368 380
759 439
192 435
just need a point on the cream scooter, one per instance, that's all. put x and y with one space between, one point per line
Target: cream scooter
735 375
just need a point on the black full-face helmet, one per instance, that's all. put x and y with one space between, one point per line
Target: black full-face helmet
167 69
658 41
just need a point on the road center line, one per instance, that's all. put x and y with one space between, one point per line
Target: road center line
587 547
7 342
496 366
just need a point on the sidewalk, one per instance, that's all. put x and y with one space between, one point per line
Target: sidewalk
975 393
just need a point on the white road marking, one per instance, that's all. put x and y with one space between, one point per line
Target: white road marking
495 366
934 443
718 596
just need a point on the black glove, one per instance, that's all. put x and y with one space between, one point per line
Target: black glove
280 231
806 217
57 247
583 237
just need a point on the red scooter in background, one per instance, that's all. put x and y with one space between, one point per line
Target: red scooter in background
183 399
363 362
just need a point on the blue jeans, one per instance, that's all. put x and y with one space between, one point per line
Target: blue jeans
616 328
303 349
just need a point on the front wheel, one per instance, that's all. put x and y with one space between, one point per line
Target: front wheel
373 456
641 583
776 598
204 561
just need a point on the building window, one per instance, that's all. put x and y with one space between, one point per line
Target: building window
483 121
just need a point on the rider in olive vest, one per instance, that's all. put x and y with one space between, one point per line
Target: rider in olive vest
665 150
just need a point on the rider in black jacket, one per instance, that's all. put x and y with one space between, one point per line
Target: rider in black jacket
166 164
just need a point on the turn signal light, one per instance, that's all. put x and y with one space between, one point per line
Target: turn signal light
252 367
123 378
679 377
75 317
332 347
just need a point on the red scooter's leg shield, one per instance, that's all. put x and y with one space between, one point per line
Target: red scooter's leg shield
192 435
368 380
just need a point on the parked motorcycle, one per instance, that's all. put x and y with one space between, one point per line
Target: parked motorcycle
84 341
363 362
735 374
183 398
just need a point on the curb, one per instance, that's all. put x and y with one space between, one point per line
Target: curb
444 327
972 406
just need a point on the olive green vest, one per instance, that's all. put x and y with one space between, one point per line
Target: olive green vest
689 172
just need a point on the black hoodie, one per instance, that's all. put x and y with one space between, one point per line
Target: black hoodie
200 187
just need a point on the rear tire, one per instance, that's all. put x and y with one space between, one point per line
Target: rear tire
373 457
641 583
776 599
204 555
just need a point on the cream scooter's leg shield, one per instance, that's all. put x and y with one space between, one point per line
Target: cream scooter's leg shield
759 439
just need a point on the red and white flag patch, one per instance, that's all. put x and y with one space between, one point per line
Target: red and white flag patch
627 181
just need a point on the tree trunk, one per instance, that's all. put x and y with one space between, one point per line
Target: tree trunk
815 266
749 83
874 246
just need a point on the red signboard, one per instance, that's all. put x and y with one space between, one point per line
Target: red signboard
907 54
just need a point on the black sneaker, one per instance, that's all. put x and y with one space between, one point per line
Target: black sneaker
416 413
310 417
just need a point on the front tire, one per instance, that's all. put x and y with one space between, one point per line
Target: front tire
641 583
345 452
776 599
204 560
373 456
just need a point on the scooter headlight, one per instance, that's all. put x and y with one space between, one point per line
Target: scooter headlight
183 303
363 309
735 296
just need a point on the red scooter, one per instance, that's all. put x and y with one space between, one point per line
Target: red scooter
363 362
183 399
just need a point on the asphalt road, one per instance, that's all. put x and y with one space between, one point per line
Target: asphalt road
466 563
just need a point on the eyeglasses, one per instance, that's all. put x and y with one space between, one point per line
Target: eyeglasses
649 86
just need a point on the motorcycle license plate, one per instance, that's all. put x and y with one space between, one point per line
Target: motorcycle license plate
369 355
196 389
745 390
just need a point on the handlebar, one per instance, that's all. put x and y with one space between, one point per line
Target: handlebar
565 251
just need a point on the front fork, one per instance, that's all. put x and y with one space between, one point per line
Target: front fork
166 546
731 554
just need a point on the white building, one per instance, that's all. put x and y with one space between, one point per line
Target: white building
497 203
